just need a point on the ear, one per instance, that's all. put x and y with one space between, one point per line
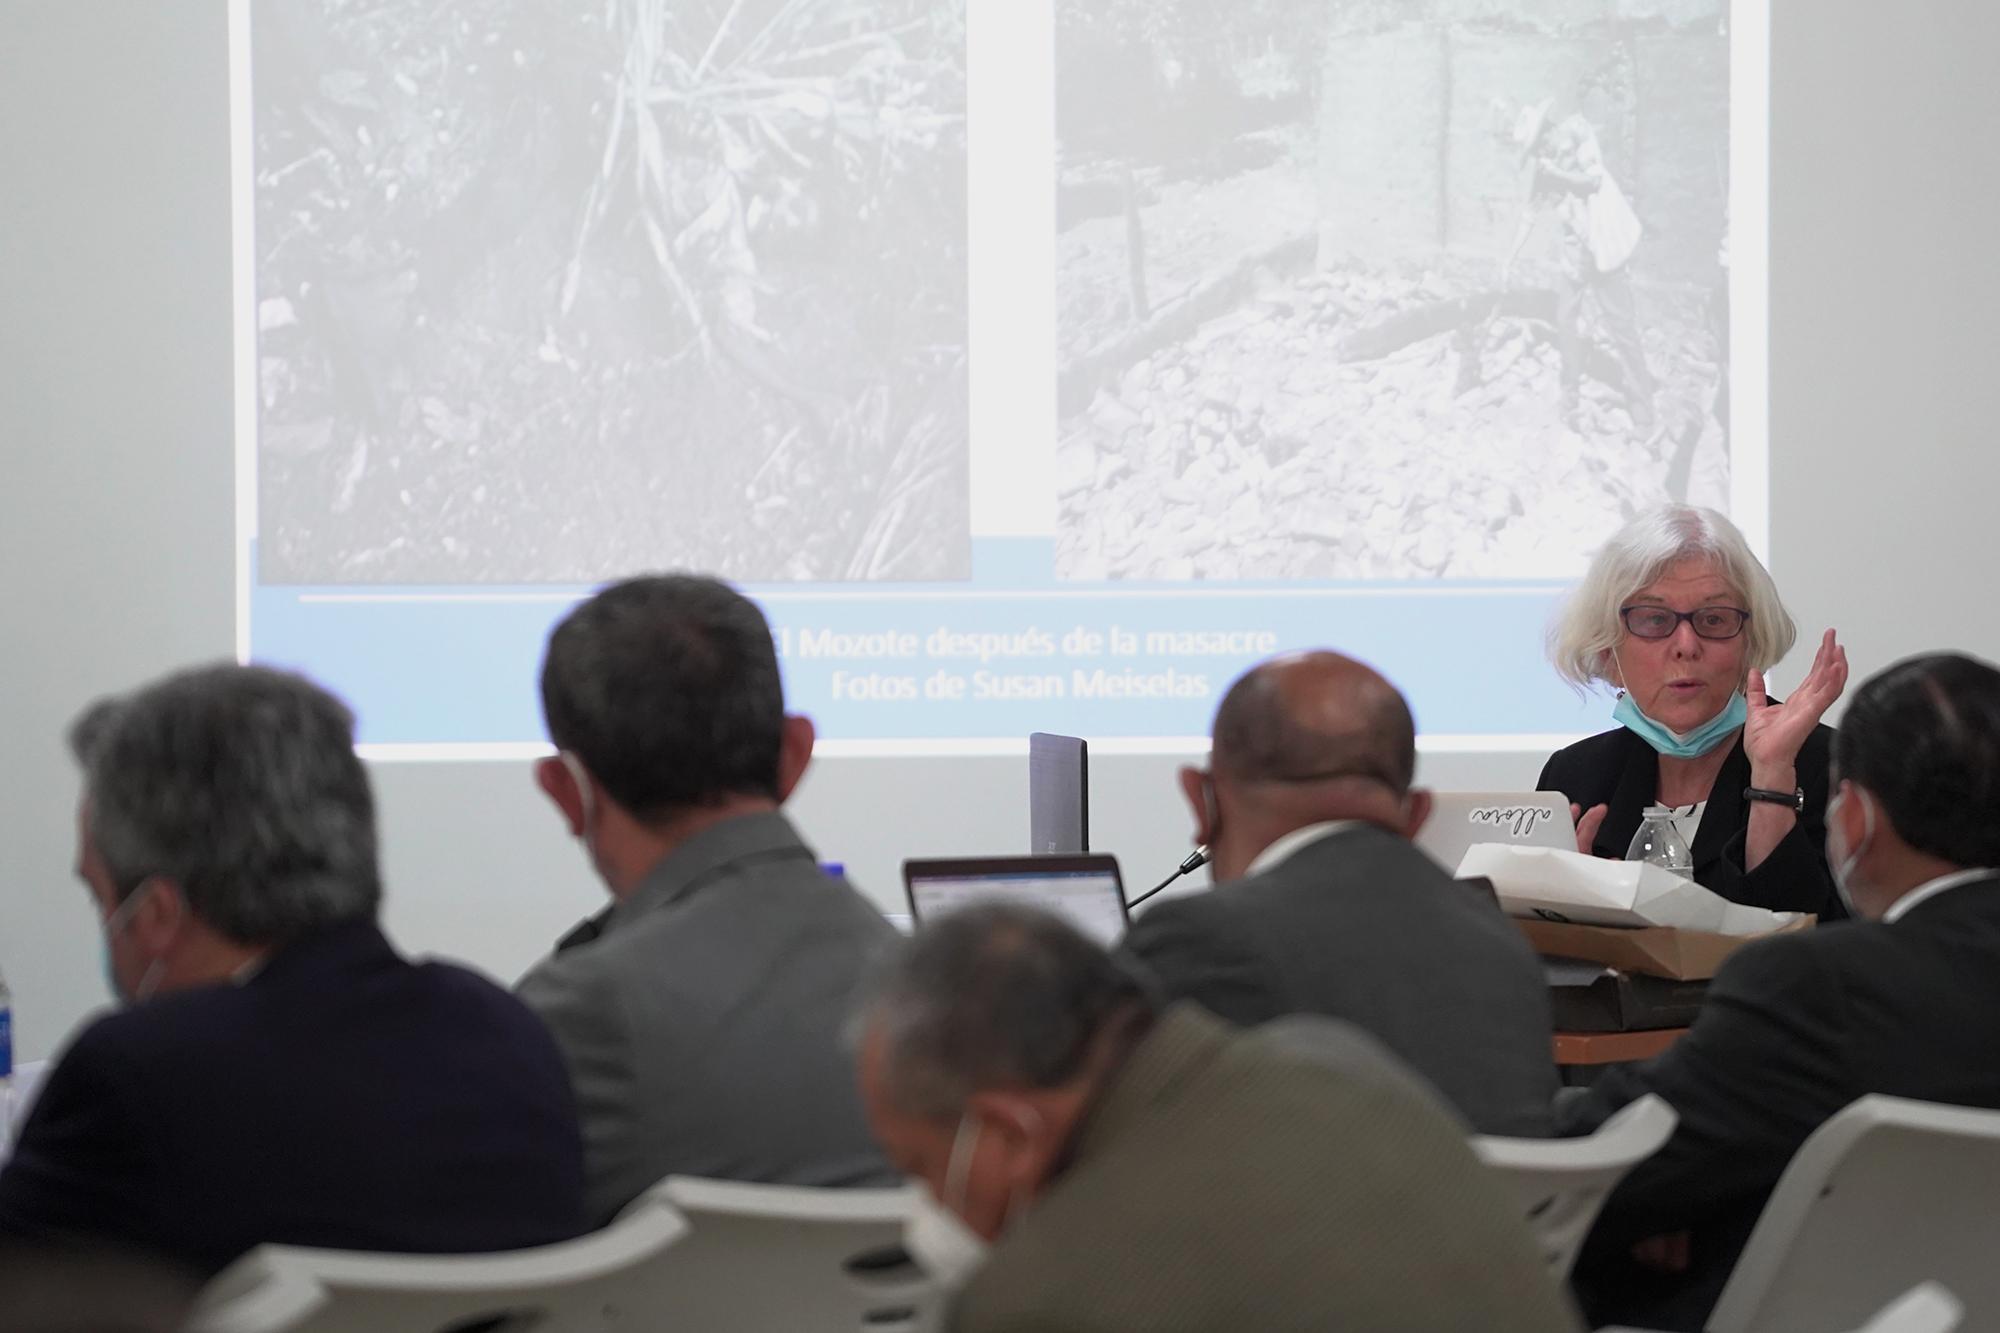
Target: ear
795 749
1417 806
1844 810
1607 667
1201 800
159 917
552 775
1023 1130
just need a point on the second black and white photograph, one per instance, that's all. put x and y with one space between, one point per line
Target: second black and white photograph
1354 289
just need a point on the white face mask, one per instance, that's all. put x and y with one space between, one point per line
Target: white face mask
1843 869
935 1235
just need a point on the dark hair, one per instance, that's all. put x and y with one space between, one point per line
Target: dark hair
1923 737
242 785
995 995
667 688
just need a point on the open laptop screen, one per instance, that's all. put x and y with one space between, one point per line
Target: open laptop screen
1084 890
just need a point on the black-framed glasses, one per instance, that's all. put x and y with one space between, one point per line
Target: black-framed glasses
1659 622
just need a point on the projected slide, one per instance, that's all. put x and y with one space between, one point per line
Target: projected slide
1037 365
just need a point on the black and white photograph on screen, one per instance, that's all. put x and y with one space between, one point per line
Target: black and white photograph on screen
1360 289
546 293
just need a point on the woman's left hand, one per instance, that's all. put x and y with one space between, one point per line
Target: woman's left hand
1773 733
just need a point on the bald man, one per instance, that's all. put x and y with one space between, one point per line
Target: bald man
1322 904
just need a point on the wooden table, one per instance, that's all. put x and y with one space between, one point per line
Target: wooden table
1612 1048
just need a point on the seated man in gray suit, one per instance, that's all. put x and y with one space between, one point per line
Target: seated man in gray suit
1324 905
700 1015
1089 1162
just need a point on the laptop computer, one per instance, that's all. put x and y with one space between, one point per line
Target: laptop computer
1520 818
1085 890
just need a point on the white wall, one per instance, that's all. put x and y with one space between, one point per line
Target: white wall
115 509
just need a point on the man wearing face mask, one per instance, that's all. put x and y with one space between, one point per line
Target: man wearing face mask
1323 905
278 1073
700 1014
1798 1026
1089 1161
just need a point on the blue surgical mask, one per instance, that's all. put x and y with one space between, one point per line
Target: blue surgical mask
1682 745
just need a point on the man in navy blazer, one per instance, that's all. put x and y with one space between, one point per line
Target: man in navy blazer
1905 1000
278 1072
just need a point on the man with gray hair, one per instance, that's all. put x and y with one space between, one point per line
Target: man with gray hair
1323 905
278 1073
1089 1161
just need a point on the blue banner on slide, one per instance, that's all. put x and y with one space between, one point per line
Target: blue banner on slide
1012 650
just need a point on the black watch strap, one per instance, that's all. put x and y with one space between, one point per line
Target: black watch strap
1796 798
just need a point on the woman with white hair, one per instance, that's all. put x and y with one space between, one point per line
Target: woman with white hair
1682 619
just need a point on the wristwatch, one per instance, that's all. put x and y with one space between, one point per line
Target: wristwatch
1795 798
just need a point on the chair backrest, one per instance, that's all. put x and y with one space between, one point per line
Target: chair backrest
1925 1308
1887 1193
794 1259
612 1279
1561 1183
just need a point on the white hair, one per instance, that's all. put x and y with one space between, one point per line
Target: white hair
1588 627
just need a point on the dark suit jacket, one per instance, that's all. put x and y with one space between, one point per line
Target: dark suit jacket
1290 1178
701 1019
340 1096
1361 925
1618 769
1793 1030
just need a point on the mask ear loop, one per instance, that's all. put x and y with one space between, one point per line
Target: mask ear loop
585 795
1013 1192
960 1164
121 916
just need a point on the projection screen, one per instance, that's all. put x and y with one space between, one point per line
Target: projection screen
1035 364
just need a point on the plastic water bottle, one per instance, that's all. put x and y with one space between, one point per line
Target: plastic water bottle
1659 843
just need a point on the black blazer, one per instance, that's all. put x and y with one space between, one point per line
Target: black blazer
1794 1028
1618 769
1363 926
341 1096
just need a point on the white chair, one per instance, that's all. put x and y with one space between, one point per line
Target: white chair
610 1280
1886 1194
794 1260
1561 1183
1925 1308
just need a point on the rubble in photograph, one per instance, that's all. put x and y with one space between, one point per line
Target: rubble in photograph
1261 447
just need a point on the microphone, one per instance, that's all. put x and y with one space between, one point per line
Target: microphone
1196 859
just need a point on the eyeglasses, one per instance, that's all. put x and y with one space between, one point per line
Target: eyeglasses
1657 622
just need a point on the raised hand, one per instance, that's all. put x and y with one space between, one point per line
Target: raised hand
1773 733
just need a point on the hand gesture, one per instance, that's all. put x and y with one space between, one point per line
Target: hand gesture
1587 824
1773 733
